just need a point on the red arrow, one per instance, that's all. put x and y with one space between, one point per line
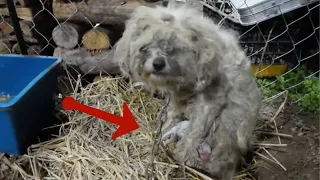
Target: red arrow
126 124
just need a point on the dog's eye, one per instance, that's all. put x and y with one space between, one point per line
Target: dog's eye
196 53
169 50
143 48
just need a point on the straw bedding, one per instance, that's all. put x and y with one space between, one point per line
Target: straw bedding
83 149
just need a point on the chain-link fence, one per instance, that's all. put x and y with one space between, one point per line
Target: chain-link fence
282 40
279 37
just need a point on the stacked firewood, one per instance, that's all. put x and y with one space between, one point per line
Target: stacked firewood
88 30
8 43
89 49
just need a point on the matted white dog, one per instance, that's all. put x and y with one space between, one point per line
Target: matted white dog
214 98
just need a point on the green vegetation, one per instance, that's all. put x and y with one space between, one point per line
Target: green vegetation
301 89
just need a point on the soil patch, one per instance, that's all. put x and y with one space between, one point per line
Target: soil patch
301 156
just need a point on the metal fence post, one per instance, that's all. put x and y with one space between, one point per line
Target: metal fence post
16 26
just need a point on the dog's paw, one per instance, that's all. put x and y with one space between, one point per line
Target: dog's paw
170 136
175 133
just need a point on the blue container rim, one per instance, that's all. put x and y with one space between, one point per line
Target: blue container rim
33 81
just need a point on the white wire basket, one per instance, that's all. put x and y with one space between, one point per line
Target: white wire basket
249 12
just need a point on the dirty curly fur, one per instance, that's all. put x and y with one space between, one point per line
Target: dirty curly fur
207 75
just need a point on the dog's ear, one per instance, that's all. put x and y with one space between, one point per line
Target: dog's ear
208 51
171 4
121 54
208 66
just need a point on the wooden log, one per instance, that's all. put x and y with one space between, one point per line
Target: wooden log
98 38
151 1
72 1
21 2
97 11
5 47
94 11
89 63
3 2
6 26
26 27
7 30
8 37
67 35
16 49
32 50
22 13
13 38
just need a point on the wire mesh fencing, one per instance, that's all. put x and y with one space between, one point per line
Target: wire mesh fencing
15 32
280 38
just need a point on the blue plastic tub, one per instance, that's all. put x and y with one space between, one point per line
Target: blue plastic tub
31 83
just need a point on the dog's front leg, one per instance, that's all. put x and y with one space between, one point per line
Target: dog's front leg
175 115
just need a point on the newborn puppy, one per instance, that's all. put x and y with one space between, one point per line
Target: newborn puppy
208 76
180 130
175 133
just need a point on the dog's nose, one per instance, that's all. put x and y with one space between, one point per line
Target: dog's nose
159 63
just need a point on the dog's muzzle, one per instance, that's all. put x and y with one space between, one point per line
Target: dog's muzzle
158 64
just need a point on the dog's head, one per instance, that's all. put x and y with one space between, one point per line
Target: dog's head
164 59
169 48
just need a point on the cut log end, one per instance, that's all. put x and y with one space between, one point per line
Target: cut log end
32 50
6 27
96 39
5 47
66 35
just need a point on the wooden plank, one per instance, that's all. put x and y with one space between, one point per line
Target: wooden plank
96 11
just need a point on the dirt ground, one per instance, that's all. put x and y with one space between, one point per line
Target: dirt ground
301 157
